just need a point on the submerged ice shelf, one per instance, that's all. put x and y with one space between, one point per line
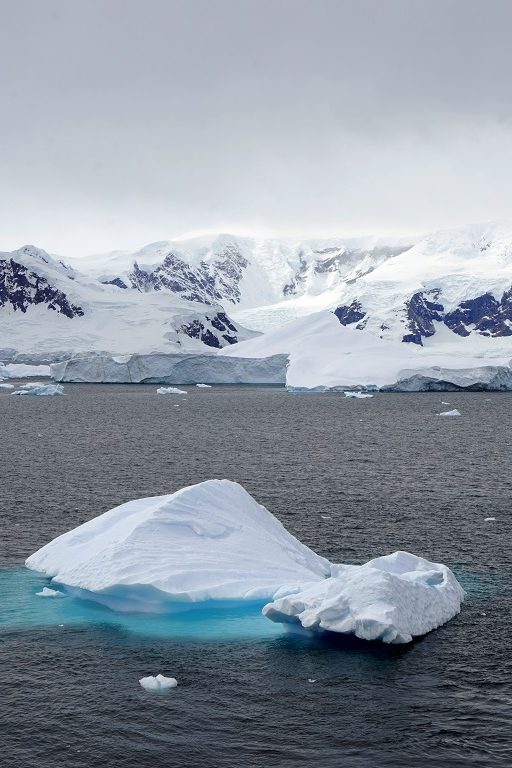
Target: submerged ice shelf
212 545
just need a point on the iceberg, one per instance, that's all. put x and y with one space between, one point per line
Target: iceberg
213 544
454 412
170 391
158 684
6 386
210 541
358 395
204 386
392 599
48 592
42 389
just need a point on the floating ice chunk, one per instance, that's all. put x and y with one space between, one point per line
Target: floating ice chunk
47 592
43 389
444 403
210 541
489 519
170 391
158 684
392 598
32 384
455 412
214 542
6 386
204 386
358 395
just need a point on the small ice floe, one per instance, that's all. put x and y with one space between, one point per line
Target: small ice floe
6 386
47 592
204 386
32 384
170 391
42 389
158 684
489 519
444 403
359 395
455 412
311 680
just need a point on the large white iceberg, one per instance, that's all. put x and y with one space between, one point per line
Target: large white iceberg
210 541
392 598
214 542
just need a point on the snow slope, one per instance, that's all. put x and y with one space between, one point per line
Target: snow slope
214 542
454 283
245 273
324 353
47 307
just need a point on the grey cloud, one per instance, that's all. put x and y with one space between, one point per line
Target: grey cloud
124 122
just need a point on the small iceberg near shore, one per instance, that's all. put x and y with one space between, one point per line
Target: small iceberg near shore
212 544
454 412
357 395
170 391
41 389
158 684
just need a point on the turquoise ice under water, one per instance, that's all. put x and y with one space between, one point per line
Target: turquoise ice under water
22 608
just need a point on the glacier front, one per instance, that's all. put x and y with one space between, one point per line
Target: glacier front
213 542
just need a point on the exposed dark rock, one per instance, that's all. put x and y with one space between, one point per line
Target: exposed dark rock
22 288
422 310
350 313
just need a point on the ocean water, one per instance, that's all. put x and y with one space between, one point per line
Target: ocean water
353 479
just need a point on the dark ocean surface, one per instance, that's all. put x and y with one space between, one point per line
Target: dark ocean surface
353 479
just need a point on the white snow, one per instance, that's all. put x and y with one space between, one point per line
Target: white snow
158 684
454 412
44 389
170 391
204 386
210 541
392 599
213 541
325 354
357 395
47 592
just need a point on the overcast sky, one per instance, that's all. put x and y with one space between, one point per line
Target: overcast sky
123 122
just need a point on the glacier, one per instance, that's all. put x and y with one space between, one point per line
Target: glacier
213 544
171 369
326 355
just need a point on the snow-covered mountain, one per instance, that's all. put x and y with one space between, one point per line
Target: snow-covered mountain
47 307
452 284
244 273
450 287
